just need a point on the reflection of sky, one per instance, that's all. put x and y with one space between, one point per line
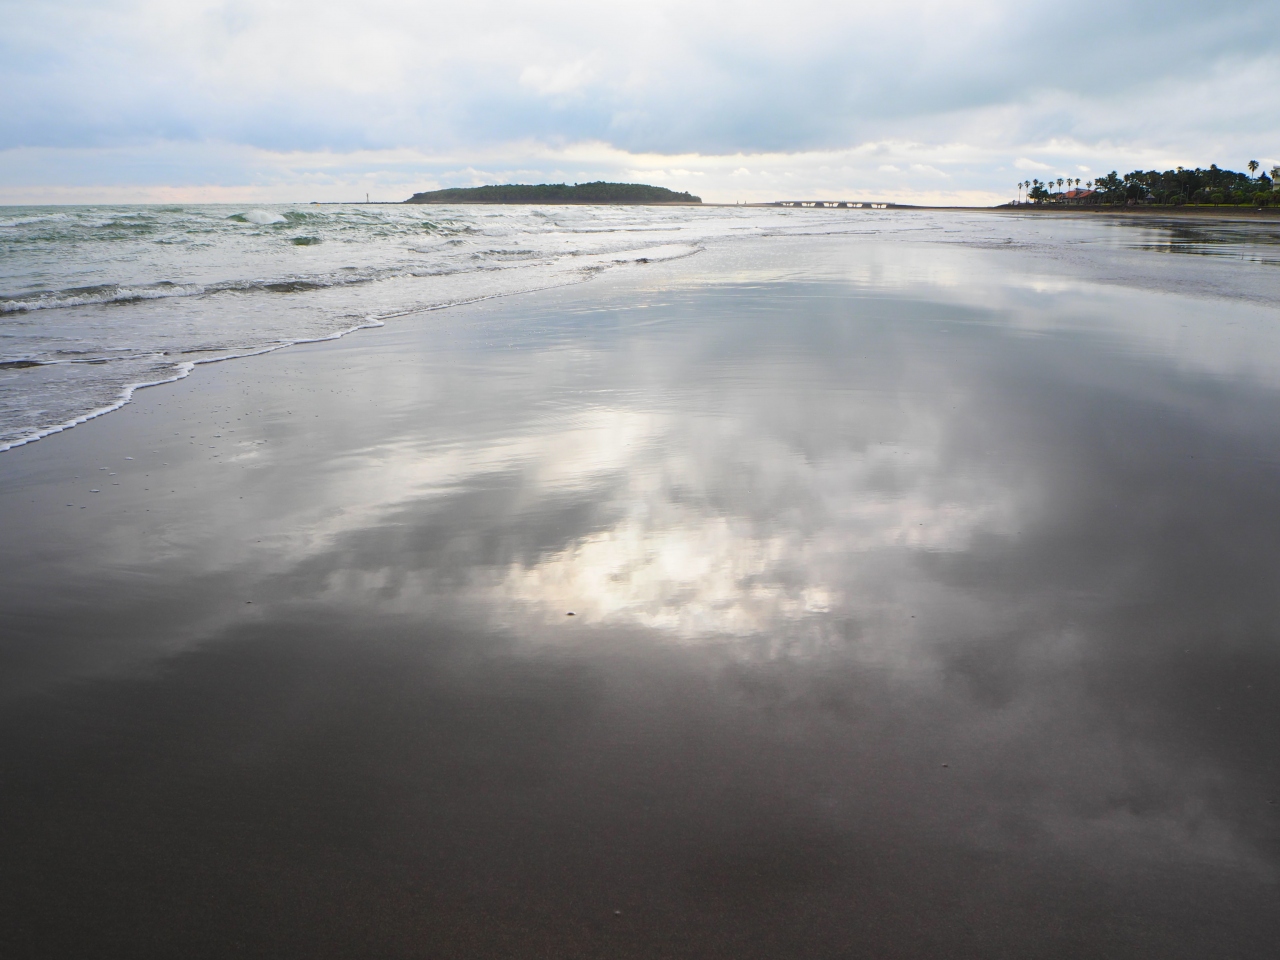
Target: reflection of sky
971 487
726 483
786 463
1010 520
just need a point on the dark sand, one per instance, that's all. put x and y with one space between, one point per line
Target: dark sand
927 604
1206 211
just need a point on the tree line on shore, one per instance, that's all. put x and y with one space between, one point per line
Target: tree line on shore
1147 187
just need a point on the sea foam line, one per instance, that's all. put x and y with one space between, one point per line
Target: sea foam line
182 371
184 368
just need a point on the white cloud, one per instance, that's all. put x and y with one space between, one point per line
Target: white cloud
550 80
705 79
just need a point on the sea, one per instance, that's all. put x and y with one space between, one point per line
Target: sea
99 301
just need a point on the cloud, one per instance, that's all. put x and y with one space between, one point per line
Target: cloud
674 79
558 78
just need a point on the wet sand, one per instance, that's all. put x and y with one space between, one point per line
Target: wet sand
1170 214
924 599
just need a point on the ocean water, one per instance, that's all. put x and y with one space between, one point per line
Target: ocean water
96 301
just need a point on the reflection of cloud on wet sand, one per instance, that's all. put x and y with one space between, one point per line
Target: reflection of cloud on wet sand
701 526
696 578
956 532
978 615
676 564
994 588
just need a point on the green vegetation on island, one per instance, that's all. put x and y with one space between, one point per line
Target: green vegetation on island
1151 187
597 192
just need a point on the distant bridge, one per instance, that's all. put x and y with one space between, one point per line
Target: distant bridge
844 204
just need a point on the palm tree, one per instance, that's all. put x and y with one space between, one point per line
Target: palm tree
1253 166
1059 184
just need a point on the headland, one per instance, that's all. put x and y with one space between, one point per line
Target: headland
557 193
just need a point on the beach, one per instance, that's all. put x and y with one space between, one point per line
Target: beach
905 595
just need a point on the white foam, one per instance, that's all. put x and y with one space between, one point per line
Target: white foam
181 372
108 294
264 217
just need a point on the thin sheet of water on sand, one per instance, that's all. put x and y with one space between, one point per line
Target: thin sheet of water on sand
924 604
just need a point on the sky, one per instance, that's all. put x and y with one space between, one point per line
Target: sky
931 102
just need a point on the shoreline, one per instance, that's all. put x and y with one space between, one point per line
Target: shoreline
186 368
1164 213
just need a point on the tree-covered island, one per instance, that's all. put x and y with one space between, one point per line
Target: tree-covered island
1212 187
557 193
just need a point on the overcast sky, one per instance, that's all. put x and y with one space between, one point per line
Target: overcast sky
933 101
